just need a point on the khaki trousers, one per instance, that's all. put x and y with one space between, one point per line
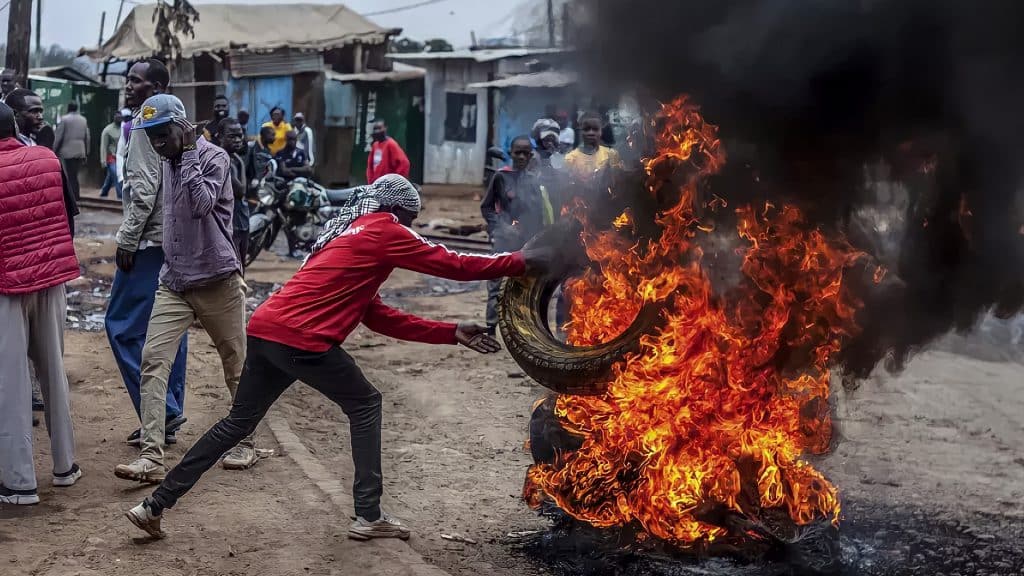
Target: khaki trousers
220 307
32 328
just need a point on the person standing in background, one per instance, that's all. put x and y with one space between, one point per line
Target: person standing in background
281 128
122 143
515 208
386 156
305 136
566 135
589 162
243 119
232 141
71 143
8 82
37 256
258 156
221 110
109 140
140 255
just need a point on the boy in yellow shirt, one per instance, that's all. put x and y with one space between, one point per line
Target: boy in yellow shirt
591 159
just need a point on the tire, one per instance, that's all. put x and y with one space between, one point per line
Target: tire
523 320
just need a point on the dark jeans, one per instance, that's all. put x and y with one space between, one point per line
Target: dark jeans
71 167
111 181
270 368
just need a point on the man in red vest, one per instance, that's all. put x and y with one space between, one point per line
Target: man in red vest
37 256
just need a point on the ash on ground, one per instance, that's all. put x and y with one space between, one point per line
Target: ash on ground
875 541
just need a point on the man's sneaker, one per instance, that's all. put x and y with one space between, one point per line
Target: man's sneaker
170 432
240 458
142 470
146 520
18 497
385 527
68 478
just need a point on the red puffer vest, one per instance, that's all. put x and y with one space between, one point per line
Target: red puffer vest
36 250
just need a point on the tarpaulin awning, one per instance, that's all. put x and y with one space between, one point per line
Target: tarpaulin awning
248 27
545 79
398 74
487 55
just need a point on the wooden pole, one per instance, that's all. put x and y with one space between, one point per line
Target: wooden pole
565 25
19 39
39 30
551 23
103 22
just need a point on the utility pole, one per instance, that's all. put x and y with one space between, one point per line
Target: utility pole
103 22
19 39
106 61
565 25
39 29
551 23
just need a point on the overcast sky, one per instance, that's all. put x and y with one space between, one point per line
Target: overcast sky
76 23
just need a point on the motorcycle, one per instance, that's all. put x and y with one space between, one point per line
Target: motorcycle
300 207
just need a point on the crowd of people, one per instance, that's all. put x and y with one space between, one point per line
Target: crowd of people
180 247
178 261
528 195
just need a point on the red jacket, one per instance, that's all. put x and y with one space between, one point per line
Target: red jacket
337 288
386 157
36 250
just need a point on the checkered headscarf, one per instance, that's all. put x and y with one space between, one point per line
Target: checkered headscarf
388 191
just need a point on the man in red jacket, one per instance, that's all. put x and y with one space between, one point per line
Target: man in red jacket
386 156
37 256
298 332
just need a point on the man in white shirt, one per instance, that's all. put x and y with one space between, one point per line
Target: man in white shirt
305 136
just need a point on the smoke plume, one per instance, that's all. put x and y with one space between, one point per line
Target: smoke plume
809 92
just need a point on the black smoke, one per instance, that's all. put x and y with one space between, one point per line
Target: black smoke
809 92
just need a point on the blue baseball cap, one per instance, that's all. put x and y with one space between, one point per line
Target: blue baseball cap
160 109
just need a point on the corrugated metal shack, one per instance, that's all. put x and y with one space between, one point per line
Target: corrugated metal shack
287 55
461 120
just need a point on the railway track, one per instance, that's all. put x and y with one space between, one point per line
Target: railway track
459 243
100 204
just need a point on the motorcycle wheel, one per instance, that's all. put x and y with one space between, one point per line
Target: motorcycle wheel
580 371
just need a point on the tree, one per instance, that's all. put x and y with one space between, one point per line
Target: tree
438 45
173 18
406 46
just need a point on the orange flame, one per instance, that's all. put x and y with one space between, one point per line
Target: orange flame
720 405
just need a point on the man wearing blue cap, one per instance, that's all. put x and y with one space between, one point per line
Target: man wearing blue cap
200 280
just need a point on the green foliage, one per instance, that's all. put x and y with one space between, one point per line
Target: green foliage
174 19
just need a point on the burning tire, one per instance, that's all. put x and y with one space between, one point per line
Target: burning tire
523 319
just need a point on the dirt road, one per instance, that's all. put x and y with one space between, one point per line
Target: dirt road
941 444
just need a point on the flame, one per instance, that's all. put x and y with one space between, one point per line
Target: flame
721 404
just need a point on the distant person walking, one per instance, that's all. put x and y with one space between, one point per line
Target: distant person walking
109 140
37 256
71 143
386 156
281 129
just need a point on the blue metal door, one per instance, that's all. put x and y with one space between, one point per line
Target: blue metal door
257 96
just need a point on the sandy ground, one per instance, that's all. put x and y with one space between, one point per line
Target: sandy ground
944 441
